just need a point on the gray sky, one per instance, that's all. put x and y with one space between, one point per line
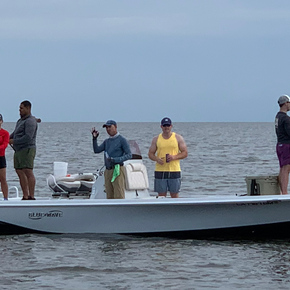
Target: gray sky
141 60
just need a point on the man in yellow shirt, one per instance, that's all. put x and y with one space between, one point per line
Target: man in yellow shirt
166 150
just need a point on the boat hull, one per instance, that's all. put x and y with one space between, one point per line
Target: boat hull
235 217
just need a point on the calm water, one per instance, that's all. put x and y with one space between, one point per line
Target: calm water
221 155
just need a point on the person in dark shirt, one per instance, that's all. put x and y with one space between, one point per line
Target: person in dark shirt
282 127
116 150
23 141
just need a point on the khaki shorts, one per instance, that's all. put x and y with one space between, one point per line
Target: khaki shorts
24 158
115 189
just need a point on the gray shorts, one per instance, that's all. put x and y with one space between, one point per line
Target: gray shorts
164 185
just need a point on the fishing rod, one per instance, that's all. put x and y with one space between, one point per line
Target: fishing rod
12 147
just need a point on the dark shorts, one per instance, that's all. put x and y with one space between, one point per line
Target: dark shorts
2 162
283 153
167 181
24 158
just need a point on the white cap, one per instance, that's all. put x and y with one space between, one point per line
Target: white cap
283 99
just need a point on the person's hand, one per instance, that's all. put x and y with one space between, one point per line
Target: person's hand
160 161
169 157
111 160
94 132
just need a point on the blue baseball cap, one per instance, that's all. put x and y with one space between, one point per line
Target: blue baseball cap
166 121
110 123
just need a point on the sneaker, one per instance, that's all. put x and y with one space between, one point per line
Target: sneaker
31 198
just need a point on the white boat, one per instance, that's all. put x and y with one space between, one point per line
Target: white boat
199 217
142 214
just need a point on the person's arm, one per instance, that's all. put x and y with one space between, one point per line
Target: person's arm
5 141
152 151
96 147
11 138
182 148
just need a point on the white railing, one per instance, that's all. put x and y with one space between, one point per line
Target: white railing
13 188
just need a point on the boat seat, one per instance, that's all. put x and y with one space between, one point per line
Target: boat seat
81 182
51 182
62 186
77 177
136 177
86 185
69 186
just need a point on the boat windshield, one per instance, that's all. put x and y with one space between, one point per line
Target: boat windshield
135 150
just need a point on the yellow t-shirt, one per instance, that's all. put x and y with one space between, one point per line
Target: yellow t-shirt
167 146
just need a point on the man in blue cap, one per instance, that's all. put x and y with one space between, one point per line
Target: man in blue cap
116 151
167 149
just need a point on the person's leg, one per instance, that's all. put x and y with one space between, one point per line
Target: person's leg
283 153
108 184
24 163
30 181
23 183
160 186
20 162
119 184
4 185
284 178
174 187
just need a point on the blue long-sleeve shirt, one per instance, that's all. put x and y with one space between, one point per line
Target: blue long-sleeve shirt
116 150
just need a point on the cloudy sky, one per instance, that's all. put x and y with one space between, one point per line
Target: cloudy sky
141 60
